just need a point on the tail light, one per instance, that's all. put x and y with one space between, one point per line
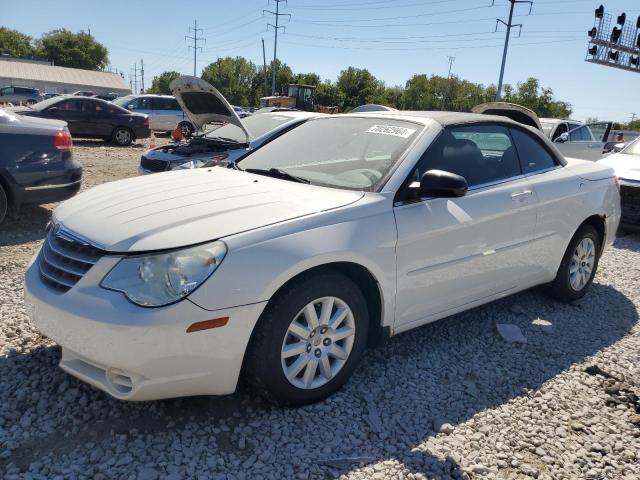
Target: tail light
62 140
146 121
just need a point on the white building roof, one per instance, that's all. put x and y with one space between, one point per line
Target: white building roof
47 73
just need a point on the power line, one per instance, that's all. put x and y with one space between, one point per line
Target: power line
276 27
350 7
509 26
195 39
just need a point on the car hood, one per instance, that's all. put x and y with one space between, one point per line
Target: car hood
626 166
203 104
517 113
175 209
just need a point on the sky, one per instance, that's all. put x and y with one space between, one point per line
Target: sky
393 39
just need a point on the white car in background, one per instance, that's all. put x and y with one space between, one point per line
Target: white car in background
574 139
163 110
346 230
225 137
626 165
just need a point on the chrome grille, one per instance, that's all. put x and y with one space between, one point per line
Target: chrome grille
63 261
154 165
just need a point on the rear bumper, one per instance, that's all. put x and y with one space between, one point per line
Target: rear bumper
141 132
49 193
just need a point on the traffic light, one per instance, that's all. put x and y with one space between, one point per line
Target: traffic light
615 56
600 11
622 18
593 51
593 32
634 61
615 34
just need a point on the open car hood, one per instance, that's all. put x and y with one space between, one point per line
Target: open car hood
204 104
515 112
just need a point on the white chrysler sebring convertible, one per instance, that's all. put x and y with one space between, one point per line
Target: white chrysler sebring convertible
344 231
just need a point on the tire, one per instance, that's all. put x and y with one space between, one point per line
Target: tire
122 136
187 129
320 371
578 266
4 204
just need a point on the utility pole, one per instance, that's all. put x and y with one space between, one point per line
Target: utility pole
135 78
451 60
633 117
509 26
276 27
142 73
195 46
264 66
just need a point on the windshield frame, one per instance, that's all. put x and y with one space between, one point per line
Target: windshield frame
379 185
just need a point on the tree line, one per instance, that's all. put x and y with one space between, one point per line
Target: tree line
243 83
63 47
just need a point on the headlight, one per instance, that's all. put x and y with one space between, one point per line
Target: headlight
160 279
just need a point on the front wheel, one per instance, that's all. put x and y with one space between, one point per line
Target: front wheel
578 266
308 340
122 136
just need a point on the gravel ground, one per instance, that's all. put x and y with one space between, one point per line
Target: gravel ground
449 400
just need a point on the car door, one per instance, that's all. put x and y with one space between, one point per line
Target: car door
586 142
100 118
163 117
555 188
453 252
71 112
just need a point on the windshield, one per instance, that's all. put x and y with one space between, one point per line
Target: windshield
351 153
547 127
258 125
633 148
122 101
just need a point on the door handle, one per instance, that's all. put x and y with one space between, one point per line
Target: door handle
521 195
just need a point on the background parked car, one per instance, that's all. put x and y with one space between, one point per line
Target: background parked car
626 164
163 111
573 138
84 93
92 118
16 94
36 165
109 97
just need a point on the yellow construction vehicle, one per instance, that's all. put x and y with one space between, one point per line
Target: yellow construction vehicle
299 96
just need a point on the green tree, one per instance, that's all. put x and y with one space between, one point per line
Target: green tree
74 50
160 83
306 78
359 87
233 77
15 43
531 95
328 94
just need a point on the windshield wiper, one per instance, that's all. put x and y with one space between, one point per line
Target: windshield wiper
276 173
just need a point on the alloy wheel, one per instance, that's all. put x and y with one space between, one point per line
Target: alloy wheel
582 263
318 343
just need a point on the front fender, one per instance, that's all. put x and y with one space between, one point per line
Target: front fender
254 272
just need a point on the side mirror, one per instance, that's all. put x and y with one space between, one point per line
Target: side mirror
53 110
564 137
438 183
618 147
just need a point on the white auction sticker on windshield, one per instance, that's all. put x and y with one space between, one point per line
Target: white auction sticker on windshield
391 130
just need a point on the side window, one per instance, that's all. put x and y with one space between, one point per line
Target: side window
582 134
533 155
560 129
144 103
7 91
158 104
479 153
173 104
69 106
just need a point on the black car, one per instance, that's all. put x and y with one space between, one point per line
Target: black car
92 118
36 165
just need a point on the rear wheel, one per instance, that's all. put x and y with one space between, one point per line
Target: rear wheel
308 340
579 265
122 136
4 204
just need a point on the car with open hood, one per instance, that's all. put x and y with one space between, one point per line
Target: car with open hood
286 266
223 136
571 137
626 165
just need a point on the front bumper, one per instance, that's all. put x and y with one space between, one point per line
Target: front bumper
630 203
136 353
